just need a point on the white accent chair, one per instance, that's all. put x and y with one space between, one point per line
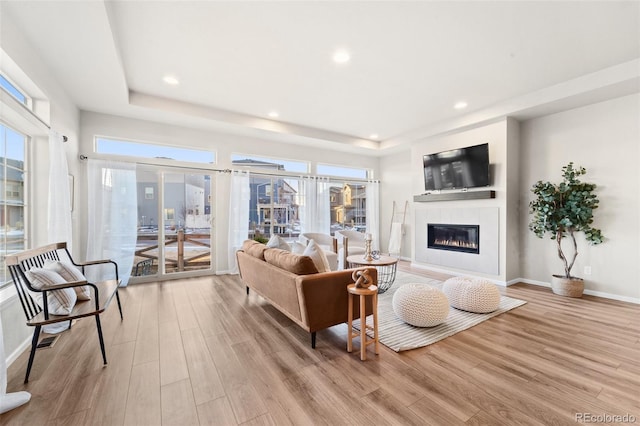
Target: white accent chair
349 242
327 243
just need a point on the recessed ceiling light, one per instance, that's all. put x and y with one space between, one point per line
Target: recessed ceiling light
274 114
341 56
460 105
374 136
169 79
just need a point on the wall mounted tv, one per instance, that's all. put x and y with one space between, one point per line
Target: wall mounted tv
457 168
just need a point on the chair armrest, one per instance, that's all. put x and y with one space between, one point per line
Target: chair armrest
65 285
96 262
93 262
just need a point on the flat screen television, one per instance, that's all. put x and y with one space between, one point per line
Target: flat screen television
457 168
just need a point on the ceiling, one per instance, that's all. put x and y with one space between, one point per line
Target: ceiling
237 61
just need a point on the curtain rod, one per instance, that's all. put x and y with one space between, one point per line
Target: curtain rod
284 174
33 114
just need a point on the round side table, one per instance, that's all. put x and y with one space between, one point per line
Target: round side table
363 293
386 266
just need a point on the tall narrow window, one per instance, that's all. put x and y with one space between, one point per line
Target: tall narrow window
12 197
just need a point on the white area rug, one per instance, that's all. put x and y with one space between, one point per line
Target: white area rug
400 336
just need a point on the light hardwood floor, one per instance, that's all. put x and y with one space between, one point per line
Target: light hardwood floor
200 351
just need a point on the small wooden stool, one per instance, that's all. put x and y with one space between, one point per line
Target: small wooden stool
364 341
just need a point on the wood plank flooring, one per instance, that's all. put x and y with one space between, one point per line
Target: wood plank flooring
200 351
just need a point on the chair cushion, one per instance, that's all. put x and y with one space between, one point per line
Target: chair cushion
254 248
316 253
59 302
70 273
294 263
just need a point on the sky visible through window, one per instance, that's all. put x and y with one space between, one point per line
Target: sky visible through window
12 144
144 150
348 172
4 83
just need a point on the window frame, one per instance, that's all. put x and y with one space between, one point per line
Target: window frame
161 161
25 193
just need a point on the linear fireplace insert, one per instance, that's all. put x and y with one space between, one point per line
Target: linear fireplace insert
462 238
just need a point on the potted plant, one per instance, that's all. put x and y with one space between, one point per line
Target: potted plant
562 210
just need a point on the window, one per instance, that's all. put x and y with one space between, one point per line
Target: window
348 204
147 150
270 163
12 196
13 90
340 171
274 207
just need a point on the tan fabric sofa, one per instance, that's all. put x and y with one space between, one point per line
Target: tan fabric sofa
292 284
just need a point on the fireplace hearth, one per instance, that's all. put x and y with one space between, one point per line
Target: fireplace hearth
451 237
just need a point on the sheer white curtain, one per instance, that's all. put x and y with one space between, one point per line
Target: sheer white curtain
113 212
239 197
59 214
8 401
373 212
324 206
315 211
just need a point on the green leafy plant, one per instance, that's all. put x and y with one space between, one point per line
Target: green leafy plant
259 238
564 209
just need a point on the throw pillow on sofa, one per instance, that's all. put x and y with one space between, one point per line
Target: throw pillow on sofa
60 302
297 248
316 254
278 242
70 273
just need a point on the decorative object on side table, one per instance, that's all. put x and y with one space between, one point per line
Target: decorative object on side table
562 210
361 278
385 265
367 247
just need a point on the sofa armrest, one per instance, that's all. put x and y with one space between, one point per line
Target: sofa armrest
324 298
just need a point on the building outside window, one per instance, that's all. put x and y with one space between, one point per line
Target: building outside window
12 196
276 199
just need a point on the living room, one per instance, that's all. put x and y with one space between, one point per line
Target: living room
576 102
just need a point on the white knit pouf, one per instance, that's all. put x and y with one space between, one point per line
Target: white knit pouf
420 305
472 294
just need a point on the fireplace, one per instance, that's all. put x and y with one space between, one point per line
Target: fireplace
462 238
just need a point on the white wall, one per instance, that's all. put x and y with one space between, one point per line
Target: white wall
64 118
396 184
604 138
223 144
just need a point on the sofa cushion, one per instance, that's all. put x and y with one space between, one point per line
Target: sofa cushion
254 248
278 242
294 263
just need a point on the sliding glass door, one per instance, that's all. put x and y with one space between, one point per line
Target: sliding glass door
174 223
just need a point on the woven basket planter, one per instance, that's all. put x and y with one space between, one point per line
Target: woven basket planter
570 287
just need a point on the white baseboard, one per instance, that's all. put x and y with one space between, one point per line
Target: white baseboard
466 274
586 291
18 351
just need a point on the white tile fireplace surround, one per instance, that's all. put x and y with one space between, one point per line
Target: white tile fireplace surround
487 261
